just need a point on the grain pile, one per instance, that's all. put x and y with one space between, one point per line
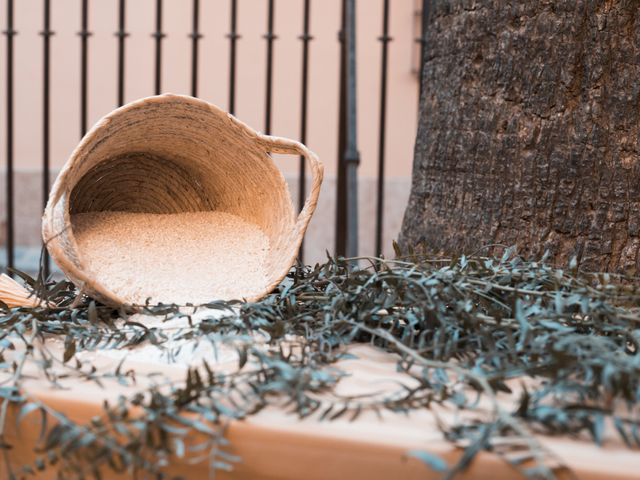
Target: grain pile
179 258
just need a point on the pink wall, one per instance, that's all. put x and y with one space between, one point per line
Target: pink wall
213 76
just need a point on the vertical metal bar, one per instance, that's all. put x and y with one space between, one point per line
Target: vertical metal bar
351 156
306 38
195 37
270 37
84 37
233 37
341 186
385 39
10 33
122 35
348 155
423 40
158 35
46 70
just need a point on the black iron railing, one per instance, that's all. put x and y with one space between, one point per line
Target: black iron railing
306 37
233 39
348 153
158 35
384 39
84 67
10 33
46 104
195 38
121 34
270 37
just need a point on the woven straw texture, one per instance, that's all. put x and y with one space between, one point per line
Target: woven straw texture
172 154
12 294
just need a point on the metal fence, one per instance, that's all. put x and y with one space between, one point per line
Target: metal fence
348 156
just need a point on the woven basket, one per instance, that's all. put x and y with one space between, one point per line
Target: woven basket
172 154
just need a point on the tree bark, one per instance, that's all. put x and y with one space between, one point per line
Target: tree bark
529 131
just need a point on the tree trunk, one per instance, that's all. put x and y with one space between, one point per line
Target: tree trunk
529 131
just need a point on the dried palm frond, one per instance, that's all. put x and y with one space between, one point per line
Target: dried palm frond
15 295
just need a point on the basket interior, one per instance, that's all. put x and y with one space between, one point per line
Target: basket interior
174 156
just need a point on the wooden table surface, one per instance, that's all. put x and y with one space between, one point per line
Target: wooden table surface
277 445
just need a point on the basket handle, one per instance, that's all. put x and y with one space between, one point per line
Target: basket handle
291 147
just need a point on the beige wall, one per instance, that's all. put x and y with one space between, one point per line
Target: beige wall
213 86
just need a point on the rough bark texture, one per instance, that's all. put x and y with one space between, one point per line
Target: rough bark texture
529 130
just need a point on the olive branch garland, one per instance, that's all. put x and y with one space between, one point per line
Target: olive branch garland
461 328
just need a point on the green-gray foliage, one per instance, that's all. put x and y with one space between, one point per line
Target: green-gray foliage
463 328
